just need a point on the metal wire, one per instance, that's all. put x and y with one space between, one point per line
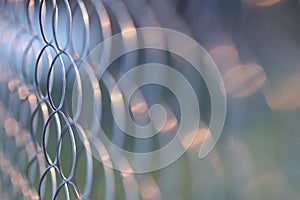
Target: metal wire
47 129
31 134
45 150
44 44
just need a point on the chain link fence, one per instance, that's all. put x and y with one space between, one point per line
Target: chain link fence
51 106
45 151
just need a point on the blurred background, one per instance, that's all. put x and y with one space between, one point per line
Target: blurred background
44 147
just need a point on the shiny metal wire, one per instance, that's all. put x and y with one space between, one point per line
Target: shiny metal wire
28 109
45 150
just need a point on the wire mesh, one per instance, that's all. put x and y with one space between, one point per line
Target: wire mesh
44 149
46 141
